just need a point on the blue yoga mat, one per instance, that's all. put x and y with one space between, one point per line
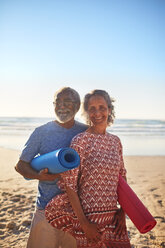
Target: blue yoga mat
57 161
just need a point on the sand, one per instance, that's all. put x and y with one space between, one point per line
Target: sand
146 176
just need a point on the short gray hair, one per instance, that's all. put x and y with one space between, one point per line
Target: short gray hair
68 90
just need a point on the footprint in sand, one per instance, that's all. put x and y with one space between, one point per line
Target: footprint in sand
1 232
10 211
26 223
8 180
153 189
161 218
6 194
4 209
15 199
156 196
11 225
160 203
2 226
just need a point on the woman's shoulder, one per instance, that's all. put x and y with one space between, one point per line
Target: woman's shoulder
80 135
80 138
113 137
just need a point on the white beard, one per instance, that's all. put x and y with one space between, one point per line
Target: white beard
64 117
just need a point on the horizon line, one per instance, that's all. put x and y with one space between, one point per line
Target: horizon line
117 118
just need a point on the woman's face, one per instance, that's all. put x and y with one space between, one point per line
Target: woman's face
98 110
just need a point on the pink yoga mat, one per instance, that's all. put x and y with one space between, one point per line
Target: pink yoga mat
134 208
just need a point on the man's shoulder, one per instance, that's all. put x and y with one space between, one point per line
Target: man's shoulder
45 126
80 125
42 129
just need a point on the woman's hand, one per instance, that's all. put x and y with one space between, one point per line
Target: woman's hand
91 232
119 221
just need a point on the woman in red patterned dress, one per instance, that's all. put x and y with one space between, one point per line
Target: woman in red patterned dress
88 207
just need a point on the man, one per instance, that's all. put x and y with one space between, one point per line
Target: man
46 138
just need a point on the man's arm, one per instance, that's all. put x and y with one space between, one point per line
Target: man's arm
27 171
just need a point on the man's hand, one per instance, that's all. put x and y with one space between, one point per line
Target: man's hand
44 175
27 171
119 221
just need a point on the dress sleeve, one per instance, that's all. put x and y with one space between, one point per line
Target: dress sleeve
122 167
71 177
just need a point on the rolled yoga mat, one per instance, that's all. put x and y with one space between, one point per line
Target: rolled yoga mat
57 161
134 208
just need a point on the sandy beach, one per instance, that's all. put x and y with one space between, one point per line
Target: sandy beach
145 174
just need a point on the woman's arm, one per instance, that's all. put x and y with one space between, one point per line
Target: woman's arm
89 229
71 183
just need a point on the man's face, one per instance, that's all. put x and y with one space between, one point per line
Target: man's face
65 107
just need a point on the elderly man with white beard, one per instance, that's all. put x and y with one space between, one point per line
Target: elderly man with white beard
46 138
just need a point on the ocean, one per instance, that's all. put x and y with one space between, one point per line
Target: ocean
138 137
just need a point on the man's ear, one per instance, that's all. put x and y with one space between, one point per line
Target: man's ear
76 107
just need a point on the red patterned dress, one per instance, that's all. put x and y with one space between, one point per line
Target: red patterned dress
95 181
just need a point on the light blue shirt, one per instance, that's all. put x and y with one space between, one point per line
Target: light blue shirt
44 139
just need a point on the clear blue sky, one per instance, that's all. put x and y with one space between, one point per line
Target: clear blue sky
116 45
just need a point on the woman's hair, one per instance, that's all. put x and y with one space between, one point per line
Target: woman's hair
108 100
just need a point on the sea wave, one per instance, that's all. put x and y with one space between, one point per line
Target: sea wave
139 137
9 125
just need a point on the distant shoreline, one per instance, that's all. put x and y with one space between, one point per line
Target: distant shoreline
138 137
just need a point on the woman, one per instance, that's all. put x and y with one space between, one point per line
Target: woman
88 207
